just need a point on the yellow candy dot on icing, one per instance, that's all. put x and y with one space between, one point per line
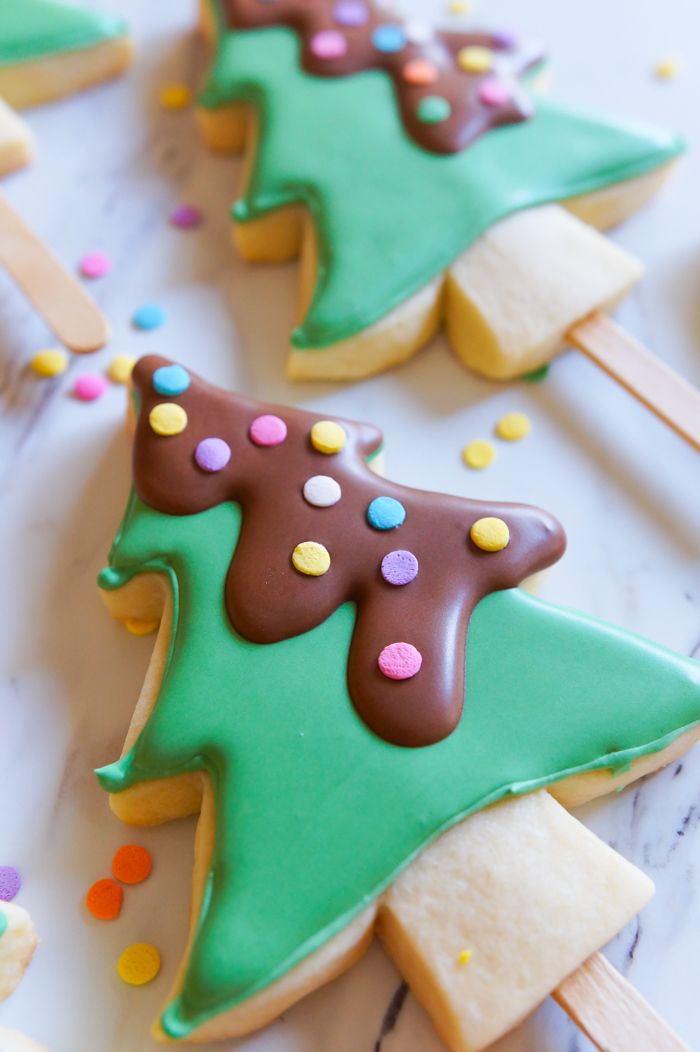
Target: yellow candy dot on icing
139 964
120 368
140 628
513 427
464 957
328 437
175 96
311 558
478 454
50 362
475 59
167 418
490 534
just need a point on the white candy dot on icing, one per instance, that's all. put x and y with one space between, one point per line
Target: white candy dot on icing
322 491
418 32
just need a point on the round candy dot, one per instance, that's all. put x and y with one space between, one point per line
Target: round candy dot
328 437
50 362
385 513
3 923
493 92
322 491
150 316
399 567
186 217
175 96
475 59
170 380
104 899
418 32
121 368
389 39
328 43
10 883
459 7
212 454
478 454
268 430
505 39
132 864
95 265
420 72
89 387
141 628
513 427
400 661
490 534
311 558
167 419
668 68
139 964
433 109
350 12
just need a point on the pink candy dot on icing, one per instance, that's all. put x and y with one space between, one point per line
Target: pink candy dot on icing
329 43
89 387
212 454
268 430
493 92
95 264
400 661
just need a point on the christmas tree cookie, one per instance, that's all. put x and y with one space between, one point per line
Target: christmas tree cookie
367 711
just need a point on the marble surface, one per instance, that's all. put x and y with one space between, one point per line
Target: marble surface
111 165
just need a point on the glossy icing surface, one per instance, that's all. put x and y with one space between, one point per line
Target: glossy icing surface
33 29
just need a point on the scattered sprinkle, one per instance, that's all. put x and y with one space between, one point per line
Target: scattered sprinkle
175 96
268 430
132 864
121 368
328 437
170 380
513 427
104 900
490 534
150 316
95 265
141 628
465 957
212 454
50 362
167 419
460 7
400 661
10 883
386 513
668 68
478 454
311 558
322 491
139 964
186 217
537 375
399 567
475 59
88 387
433 109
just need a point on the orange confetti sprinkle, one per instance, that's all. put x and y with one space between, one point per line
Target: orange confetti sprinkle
132 864
104 899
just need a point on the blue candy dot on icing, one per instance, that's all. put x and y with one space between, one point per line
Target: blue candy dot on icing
389 38
150 316
170 380
385 513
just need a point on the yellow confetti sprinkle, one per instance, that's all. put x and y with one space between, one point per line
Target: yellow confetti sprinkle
478 454
475 59
668 68
140 628
311 558
175 96
328 437
139 964
464 957
50 362
167 418
490 534
513 427
120 368
460 7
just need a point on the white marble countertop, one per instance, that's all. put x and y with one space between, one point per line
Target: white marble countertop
111 166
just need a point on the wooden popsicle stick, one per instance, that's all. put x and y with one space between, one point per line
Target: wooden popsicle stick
650 380
611 1013
57 295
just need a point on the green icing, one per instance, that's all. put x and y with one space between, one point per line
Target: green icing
32 29
3 923
316 815
390 215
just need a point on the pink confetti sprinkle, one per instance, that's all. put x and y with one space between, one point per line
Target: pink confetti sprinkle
400 661
493 92
95 265
88 387
329 43
268 430
186 217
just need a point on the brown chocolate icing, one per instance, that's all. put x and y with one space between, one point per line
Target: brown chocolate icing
268 600
470 117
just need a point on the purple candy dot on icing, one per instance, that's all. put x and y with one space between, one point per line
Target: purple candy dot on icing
505 39
493 92
212 454
400 661
350 12
10 883
268 430
328 43
399 567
